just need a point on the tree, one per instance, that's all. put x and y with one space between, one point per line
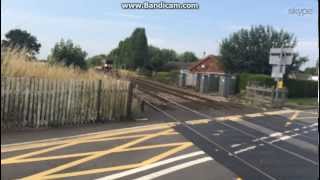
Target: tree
67 53
187 57
156 58
132 52
18 38
297 62
248 50
311 70
139 48
170 55
97 60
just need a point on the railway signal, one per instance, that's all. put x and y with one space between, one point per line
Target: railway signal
279 58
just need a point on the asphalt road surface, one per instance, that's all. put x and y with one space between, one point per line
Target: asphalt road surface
268 145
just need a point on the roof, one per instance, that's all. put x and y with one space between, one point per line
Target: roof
211 64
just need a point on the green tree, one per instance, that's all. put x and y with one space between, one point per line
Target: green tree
169 55
18 38
139 48
187 57
65 52
97 60
132 52
248 49
311 70
156 58
297 62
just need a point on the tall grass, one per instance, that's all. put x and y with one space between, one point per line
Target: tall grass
17 63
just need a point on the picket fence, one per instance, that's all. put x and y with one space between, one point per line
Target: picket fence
36 102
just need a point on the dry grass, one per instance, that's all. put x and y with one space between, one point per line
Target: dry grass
127 74
16 63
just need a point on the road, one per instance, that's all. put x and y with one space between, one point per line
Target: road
280 144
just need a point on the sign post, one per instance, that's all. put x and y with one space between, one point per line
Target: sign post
279 58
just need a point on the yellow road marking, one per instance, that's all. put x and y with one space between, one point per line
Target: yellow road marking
70 143
43 174
294 116
168 153
38 145
93 152
89 141
126 130
279 112
254 115
198 121
123 167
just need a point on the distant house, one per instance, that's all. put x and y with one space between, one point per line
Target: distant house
206 66
210 64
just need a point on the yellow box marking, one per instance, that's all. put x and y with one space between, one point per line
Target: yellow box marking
123 167
88 156
65 156
97 135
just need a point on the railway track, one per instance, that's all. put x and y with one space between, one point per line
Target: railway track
148 85
246 165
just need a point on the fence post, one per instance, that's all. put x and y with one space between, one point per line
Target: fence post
99 100
130 96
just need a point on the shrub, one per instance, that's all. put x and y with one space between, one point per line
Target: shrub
261 79
301 88
167 77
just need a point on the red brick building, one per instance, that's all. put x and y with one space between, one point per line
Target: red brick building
210 64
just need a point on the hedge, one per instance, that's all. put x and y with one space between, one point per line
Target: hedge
296 88
261 79
301 88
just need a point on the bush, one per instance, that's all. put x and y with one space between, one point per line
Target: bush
301 88
296 88
261 79
167 77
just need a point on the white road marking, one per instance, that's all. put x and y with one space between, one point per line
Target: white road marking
260 139
174 168
283 138
154 165
142 119
235 145
313 125
245 149
307 118
275 134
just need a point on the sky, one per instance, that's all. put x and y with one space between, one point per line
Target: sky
98 25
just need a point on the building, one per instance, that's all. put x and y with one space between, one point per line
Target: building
208 76
210 65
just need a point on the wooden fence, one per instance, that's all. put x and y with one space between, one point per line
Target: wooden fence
34 102
267 96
